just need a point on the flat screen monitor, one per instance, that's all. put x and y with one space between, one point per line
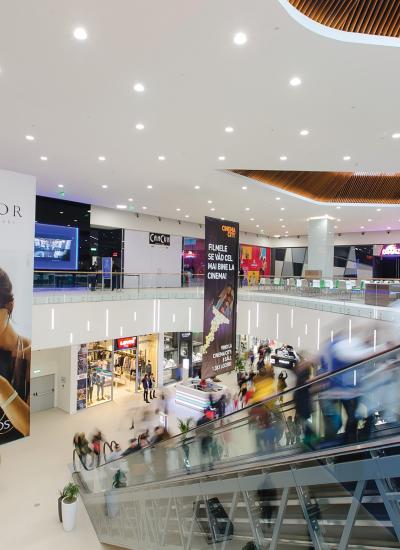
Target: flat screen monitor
56 247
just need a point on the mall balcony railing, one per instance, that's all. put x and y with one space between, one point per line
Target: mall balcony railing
336 294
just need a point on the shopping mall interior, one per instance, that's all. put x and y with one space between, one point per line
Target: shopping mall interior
200 275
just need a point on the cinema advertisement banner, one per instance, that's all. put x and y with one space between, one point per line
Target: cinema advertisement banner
220 296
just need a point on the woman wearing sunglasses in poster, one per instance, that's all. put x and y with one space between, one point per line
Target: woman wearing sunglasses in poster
15 358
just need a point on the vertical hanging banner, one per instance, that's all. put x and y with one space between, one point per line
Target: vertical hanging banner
220 296
17 230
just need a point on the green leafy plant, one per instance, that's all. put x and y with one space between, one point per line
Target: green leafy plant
240 364
185 425
70 492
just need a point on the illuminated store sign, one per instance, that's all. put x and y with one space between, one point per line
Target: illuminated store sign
159 238
391 250
127 343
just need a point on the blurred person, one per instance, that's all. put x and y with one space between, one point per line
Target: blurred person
152 386
303 403
282 385
343 387
290 432
133 447
146 388
96 441
81 445
116 453
206 440
220 406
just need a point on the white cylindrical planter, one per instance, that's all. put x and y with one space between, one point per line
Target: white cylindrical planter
69 515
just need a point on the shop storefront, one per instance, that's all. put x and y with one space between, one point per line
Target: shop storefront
125 361
182 350
94 374
107 367
255 262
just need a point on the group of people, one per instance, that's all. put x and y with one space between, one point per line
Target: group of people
148 383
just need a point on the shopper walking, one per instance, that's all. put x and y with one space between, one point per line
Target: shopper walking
146 387
152 386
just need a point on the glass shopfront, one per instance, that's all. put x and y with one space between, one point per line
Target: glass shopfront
125 359
182 350
94 374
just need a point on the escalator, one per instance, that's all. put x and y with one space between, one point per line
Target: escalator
256 480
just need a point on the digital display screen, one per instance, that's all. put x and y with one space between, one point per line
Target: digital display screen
56 247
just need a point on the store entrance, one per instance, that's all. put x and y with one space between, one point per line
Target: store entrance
386 268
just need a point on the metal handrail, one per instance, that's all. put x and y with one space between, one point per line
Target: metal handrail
214 425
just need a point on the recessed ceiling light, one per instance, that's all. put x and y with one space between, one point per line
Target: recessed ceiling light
212 209
197 187
396 135
209 202
75 221
186 215
283 208
222 157
139 87
362 227
43 158
295 81
257 225
276 236
283 226
139 126
346 157
229 130
338 207
281 219
247 208
338 220
252 219
262 230
80 33
240 38
60 185
161 157
121 206
304 132
178 209
277 198
102 159
378 209
369 220
389 227
149 187
144 207
222 219
30 138
105 186
130 200
335 227
244 188
61 212
283 157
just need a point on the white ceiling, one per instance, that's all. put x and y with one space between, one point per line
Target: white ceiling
77 99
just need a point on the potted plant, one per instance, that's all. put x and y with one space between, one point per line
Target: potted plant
60 498
69 506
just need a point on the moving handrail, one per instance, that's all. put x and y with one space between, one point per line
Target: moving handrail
245 417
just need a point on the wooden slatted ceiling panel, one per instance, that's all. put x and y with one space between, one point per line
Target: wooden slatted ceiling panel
344 187
377 17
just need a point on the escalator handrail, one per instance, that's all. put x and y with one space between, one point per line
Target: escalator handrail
76 454
213 425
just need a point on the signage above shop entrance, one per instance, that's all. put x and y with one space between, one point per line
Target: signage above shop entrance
159 238
127 343
391 250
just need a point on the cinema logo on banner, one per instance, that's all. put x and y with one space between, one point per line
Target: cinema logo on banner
229 230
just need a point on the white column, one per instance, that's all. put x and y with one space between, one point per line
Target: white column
321 245
160 360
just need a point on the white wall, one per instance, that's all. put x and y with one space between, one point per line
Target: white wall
55 361
147 259
109 217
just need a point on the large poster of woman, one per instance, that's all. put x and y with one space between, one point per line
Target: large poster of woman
17 211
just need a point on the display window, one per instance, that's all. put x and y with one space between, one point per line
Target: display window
100 373
181 350
147 357
125 356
